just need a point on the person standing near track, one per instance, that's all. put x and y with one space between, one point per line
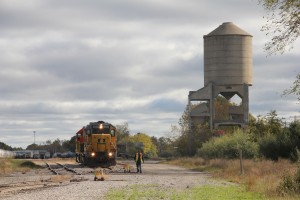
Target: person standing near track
139 158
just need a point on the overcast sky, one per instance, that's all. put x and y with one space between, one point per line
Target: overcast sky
65 63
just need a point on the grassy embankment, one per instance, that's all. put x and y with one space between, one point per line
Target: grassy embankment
261 180
260 176
8 165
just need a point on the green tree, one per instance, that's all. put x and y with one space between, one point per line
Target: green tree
57 146
5 146
184 139
148 147
222 108
69 145
294 89
122 133
294 130
32 147
193 134
17 148
166 147
276 146
264 125
283 22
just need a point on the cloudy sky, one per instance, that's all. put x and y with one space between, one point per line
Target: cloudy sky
65 63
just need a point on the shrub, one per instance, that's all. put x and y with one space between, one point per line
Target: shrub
290 185
276 146
228 146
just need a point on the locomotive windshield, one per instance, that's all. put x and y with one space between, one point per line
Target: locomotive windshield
100 129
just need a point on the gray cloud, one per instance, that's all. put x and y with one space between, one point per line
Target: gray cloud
66 63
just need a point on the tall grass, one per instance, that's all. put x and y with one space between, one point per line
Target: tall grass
8 165
262 176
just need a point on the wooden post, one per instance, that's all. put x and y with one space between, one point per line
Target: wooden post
241 161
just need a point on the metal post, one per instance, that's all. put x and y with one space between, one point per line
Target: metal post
33 137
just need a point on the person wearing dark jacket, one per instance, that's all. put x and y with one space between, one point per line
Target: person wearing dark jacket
139 158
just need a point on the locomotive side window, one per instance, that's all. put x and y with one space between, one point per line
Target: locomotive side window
112 132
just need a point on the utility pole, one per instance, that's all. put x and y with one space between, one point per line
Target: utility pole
33 137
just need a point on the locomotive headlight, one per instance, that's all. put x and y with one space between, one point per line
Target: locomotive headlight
101 126
110 154
93 154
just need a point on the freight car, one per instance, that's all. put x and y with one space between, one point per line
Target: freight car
96 144
7 154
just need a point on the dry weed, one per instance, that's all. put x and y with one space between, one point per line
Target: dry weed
5 166
60 178
263 176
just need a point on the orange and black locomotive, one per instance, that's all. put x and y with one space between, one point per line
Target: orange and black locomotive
96 144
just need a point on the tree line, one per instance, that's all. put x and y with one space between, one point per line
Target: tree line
265 136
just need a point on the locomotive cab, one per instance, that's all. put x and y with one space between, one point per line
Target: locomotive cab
99 142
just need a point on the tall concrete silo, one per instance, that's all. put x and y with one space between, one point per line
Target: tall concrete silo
227 72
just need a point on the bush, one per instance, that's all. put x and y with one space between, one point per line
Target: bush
276 146
228 146
290 185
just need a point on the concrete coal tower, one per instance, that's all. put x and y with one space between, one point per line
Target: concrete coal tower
228 56
227 72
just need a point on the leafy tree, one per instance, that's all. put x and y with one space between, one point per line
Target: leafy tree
294 89
183 140
275 125
69 144
17 148
222 108
32 147
274 139
283 22
155 141
257 127
5 146
263 125
166 147
294 130
122 133
190 140
276 146
148 147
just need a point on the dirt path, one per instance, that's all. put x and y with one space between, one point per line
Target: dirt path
42 184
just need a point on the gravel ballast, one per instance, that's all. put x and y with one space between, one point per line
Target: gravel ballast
84 187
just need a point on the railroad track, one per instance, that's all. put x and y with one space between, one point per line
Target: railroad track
55 171
60 169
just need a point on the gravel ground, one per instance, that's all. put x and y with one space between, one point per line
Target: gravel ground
47 187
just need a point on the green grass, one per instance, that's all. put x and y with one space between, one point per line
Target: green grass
201 192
